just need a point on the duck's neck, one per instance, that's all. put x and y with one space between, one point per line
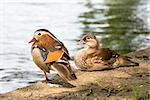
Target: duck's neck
90 50
95 47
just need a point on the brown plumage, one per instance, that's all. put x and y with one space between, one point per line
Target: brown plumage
94 58
49 53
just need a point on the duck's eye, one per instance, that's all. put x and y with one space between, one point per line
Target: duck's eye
88 38
39 33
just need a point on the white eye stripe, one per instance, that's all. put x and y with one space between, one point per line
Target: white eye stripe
51 36
36 35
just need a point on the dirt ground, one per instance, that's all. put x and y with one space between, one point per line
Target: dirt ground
124 83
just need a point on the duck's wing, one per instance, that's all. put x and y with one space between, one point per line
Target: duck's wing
108 57
66 53
60 45
56 55
53 56
103 54
100 59
56 52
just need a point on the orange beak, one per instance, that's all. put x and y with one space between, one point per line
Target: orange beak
33 40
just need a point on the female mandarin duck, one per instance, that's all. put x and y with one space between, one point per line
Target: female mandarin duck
93 58
49 53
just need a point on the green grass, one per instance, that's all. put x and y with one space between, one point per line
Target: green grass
138 93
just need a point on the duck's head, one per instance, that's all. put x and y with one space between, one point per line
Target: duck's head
42 35
90 40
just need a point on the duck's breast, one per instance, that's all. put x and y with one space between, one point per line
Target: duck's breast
80 58
38 59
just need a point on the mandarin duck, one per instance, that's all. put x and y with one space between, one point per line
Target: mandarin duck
93 57
48 53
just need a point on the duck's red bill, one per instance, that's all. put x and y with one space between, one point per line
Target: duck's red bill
82 41
33 40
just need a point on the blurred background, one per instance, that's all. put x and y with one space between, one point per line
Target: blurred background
122 25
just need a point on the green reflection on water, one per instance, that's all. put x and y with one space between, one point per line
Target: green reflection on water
115 22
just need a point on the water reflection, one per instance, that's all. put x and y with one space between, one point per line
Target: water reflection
117 23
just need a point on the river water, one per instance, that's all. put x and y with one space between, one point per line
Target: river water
122 25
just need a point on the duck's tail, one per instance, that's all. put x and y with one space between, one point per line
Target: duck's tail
123 61
64 70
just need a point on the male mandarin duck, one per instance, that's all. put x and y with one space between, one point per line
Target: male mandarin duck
49 53
93 57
